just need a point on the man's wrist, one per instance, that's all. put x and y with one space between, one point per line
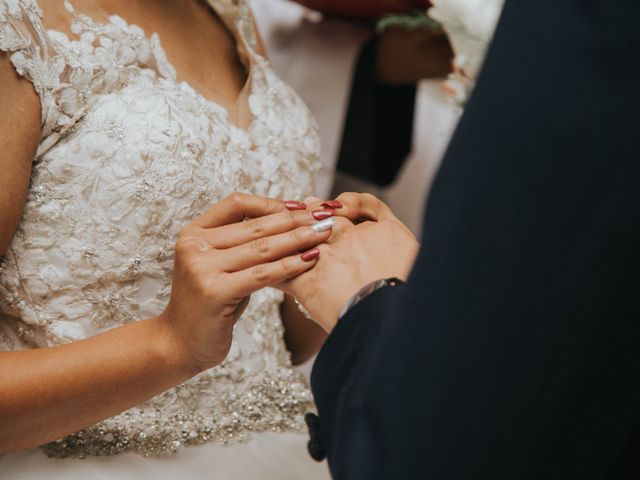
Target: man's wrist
342 302
365 291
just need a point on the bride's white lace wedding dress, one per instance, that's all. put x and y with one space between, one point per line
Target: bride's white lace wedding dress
129 154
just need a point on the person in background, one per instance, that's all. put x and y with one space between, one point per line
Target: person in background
377 136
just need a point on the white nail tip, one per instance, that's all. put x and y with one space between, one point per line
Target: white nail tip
324 225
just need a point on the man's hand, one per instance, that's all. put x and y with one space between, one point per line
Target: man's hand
406 56
368 243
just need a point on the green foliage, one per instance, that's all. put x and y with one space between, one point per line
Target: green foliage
409 21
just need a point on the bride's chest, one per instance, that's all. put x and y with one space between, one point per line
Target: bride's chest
156 146
166 134
120 129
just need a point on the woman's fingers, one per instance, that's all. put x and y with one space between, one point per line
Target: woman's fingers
235 208
252 279
229 236
268 249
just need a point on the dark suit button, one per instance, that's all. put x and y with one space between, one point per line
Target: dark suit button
313 422
316 451
315 447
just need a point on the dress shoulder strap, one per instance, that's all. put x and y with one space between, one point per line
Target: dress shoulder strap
236 14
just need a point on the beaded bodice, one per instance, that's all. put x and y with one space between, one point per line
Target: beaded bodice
128 155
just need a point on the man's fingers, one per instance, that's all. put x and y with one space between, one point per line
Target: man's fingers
341 226
358 207
267 249
250 280
312 200
235 208
229 236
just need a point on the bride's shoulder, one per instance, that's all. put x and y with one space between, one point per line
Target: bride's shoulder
18 55
19 135
20 105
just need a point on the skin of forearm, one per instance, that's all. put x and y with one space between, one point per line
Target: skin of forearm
302 336
48 393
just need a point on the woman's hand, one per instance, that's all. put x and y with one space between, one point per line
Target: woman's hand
368 243
47 393
239 246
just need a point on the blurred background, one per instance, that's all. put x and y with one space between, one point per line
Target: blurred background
374 84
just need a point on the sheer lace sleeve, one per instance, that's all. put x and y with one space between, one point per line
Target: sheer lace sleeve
24 39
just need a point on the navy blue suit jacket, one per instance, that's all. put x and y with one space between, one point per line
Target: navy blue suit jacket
513 352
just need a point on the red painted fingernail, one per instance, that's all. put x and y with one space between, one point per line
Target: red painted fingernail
294 205
332 204
310 255
322 214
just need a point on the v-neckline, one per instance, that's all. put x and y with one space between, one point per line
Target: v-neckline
246 59
244 52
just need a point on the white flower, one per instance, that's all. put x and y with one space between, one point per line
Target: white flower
470 25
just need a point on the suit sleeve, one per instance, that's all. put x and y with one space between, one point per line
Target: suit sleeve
513 352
